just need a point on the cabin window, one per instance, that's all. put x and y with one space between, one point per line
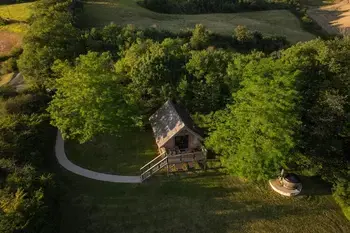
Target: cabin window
181 142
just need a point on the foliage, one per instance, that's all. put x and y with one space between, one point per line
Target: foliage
8 66
25 140
115 39
51 36
89 98
200 37
152 71
3 22
212 6
206 86
256 134
21 197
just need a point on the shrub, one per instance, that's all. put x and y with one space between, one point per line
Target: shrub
8 66
341 187
18 104
200 38
3 22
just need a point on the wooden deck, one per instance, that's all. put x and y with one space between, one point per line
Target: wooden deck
167 158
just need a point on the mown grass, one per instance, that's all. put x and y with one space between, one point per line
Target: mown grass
206 203
276 22
18 12
197 201
111 154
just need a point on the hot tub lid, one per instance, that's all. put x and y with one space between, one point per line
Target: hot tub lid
292 178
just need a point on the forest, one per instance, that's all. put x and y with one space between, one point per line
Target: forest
264 104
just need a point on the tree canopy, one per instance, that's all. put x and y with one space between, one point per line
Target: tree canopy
256 134
89 98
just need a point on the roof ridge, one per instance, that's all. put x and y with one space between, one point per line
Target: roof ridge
176 110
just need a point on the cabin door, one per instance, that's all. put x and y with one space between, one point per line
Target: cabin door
181 142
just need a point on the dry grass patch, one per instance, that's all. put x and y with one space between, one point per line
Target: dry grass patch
5 79
9 41
334 18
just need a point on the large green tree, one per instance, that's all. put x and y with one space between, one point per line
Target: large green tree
89 98
206 86
52 36
151 72
257 133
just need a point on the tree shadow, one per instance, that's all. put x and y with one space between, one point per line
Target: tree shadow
216 203
314 186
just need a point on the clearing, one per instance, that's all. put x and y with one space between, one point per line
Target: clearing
114 155
183 202
199 203
16 12
332 17
9 41
275 22
11 35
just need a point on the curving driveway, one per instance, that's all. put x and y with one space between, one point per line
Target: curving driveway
64 162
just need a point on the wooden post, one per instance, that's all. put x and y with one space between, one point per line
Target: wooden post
167 167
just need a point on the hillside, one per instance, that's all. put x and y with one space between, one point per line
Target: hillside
274 22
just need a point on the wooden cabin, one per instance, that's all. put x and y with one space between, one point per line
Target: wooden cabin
178 139
174 129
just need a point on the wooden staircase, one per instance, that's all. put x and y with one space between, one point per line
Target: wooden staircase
153 166
165 159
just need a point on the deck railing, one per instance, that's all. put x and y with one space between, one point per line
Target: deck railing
166 159
153 161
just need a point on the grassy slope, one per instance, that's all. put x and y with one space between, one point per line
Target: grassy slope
276 22
118 155
212 203
194 202
18 12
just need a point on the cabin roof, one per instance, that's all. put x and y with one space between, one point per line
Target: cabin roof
170 119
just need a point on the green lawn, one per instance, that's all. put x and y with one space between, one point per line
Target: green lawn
117 155
214 203
276 22
198 201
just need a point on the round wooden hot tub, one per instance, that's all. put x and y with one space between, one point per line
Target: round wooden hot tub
291 181
289 185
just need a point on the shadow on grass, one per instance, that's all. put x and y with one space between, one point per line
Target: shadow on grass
314 186
214 203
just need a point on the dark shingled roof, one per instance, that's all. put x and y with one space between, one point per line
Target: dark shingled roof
170 119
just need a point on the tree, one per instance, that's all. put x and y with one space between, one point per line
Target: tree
51 36
200 37
89 98
243 35
151 72
208 84
257 133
